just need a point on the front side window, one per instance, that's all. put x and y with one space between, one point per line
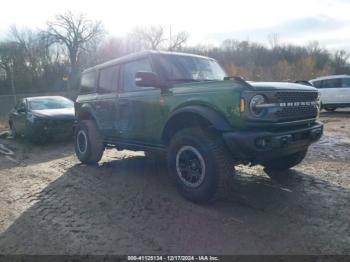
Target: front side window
108 80
130 69
87 84
183 68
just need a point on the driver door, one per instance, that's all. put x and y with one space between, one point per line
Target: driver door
139 109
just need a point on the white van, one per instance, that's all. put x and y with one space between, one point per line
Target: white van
334 91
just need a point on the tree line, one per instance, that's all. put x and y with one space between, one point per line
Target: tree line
53 58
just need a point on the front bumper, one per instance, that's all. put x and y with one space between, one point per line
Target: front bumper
51 128
259 146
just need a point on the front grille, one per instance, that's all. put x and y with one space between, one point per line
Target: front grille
61 126
296 96
299 112
296 105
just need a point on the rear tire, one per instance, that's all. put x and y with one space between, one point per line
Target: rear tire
88 142
201 165
279 165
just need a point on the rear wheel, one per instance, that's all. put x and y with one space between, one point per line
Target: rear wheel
88 142
201 165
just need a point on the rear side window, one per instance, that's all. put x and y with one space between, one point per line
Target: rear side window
345 82
130 69
331 83
87 84
108 80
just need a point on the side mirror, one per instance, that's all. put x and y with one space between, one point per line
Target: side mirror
21 110
147 79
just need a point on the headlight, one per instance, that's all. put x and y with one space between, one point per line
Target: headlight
254 105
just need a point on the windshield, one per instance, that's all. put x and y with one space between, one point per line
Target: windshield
191 68
50 103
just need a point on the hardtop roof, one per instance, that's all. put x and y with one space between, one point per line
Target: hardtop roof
138 55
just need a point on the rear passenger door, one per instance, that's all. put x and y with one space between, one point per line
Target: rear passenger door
107 99
139 110
330 90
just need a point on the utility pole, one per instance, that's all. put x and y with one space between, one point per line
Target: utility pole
170 43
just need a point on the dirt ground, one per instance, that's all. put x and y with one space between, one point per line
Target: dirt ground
128 204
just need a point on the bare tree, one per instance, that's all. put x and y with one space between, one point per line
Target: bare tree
273 39
151 37
6 56
74 31
340 59
176 42
33 49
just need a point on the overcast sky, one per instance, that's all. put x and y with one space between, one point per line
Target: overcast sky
208 22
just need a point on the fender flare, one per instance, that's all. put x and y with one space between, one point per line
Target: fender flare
216 119
85 109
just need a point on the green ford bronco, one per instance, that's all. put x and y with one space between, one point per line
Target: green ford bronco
185 109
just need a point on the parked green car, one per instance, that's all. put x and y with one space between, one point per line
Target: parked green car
185 107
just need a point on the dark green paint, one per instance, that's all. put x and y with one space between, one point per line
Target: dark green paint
141 115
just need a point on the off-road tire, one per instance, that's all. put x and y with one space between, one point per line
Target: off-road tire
92 154
284 163
219 168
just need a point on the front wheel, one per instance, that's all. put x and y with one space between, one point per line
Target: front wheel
88 142
201 165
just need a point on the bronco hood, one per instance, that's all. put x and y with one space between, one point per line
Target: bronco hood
55 114
265 86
